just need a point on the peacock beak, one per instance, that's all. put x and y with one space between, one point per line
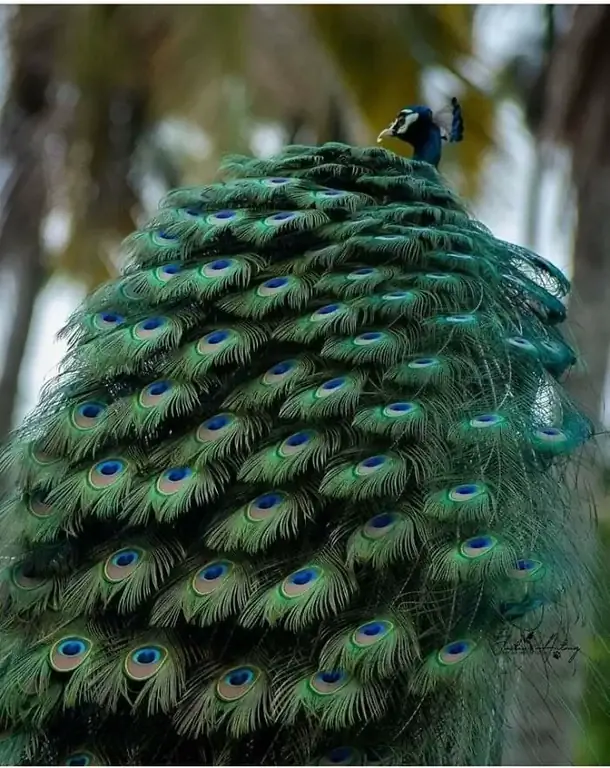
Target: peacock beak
401 125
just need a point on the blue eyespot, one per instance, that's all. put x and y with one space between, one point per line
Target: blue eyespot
370 336
334 383
374 461
302 577
239 677
109 468
217 422
213 571
171 269
328 309
224 214
159 388
465 490
299 438
364 271
268 500
147 656
152 323
382 520
282 216
217 337
373 629
71 647
457 648
275 282
219 264
279 368
165 236
278 180
112 317
125 558
177 474
479 542
91 410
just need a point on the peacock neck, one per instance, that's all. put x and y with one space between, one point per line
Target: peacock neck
429 148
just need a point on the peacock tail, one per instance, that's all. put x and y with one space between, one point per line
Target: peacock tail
303 468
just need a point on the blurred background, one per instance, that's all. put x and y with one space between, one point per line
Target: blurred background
106 107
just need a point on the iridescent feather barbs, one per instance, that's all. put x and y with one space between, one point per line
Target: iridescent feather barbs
304 465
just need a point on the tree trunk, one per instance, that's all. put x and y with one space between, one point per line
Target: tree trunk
22 132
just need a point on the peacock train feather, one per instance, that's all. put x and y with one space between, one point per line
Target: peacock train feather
304 467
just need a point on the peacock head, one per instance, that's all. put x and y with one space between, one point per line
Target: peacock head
425 130
411 124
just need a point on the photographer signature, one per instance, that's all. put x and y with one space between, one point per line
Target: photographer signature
528 644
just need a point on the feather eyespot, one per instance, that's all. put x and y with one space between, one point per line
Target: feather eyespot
121 564
331 386
466 491
153 394
477 546
80 758
326 683
218 267
280 218
235 683
221 217
396 410
209 578
551 435
166 272
213 341
486 420
370 337
371 632
279 372
163 235
361 274
295 443
328 311
378 526
342 756
371 464
273 286
265 506
460 319
455 652
521 343
144 662
301 581
526 569
106 321
398 295
22 578
37 505
106 473
276 181
423 362
87 415
331 193
150 328
214 427
68 654
173 480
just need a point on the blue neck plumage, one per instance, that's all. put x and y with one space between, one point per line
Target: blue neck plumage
430 147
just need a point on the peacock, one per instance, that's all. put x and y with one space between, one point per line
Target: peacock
302 472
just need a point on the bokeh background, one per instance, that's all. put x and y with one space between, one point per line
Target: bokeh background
106 107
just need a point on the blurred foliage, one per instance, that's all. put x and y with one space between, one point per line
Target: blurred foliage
124 71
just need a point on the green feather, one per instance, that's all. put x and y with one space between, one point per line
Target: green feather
464 662
234 344
272 294
381 347
385 538
254 527
278 380
483 556
128 572
170 494
236 698
333 699
316 590
469 501
332 396
296 454
337 317
375 649
207 591
379 475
